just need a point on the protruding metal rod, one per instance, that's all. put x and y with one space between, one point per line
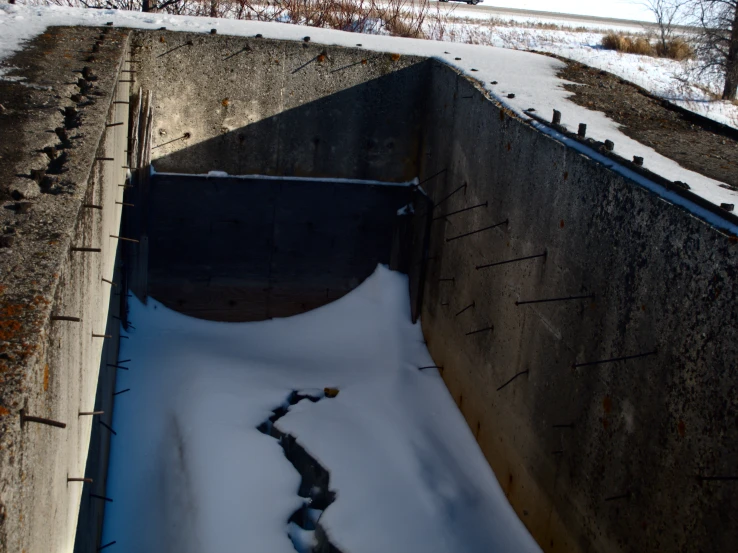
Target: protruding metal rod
433 176
188 43
122 102
460 211
106 545
118 124
122 392
92 206
124 238
39 420
108 427
582 131
101 335
104 159
587 297
101 497
183 137
83 249
109 281
614 359
471 305
556 120
124 361
125 185
505 222
490 328
90 413
65 318
117 366
544 254
124 203
462 187
88 480
513 378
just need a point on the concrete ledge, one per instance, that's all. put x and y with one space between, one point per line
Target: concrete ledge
53 128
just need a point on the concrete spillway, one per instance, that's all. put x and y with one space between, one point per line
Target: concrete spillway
608 413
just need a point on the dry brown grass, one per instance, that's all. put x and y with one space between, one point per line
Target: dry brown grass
676 48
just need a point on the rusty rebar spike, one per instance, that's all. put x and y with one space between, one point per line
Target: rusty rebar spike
470 306
84 249
65 318
486 266
124 238
505 222
90 413
40 420
488 328
101 335
460 211
109 282
513 378
124 204
432 176
567 298
88 480
113 432
614 359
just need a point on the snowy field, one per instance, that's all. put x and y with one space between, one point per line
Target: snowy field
676 81
190 472
532 78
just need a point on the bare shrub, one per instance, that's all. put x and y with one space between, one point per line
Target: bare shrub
675 48
628 45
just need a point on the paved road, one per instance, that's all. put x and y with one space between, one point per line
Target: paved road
461 9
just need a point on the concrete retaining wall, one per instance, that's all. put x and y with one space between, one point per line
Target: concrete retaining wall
50 368
249 249
605 457
255 106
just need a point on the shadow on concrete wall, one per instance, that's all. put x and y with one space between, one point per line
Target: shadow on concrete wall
252 249
371 131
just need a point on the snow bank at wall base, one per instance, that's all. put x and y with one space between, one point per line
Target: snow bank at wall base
189 470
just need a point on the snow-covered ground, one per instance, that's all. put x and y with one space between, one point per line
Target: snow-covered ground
676 81
190 472
532 78
618 9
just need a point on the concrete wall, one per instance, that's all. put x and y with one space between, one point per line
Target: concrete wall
50 368
255 106
607 457
249 249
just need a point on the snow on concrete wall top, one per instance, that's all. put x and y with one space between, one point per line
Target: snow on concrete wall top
530 78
